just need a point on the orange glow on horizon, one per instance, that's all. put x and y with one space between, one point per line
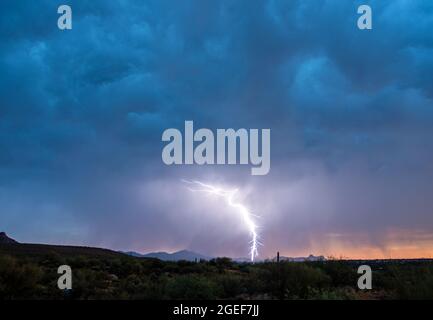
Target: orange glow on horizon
393 244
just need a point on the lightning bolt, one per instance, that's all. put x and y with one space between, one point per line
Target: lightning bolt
229 197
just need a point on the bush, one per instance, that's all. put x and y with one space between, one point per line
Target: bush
291 280
18 281
192 287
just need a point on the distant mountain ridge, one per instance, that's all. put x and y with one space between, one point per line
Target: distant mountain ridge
164 256
175 256
4 239
193 256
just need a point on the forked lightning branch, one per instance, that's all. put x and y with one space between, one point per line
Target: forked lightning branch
229 195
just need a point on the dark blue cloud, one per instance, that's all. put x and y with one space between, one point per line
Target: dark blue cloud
82 112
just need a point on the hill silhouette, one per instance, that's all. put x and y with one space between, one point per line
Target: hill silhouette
5 239
12 247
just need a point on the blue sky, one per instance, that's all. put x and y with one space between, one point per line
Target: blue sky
350 113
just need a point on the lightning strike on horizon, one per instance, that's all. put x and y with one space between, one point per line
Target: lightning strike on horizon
229 196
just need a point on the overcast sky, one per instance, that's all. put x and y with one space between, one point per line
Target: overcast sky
351 117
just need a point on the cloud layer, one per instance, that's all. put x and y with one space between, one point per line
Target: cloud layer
350 111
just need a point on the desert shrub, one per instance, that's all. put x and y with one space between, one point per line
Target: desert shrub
293 280
192 287
222 263
90 284
411 282
18 281
340 272
231 284
140 287
257 280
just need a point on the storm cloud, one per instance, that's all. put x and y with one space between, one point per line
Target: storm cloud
82 112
